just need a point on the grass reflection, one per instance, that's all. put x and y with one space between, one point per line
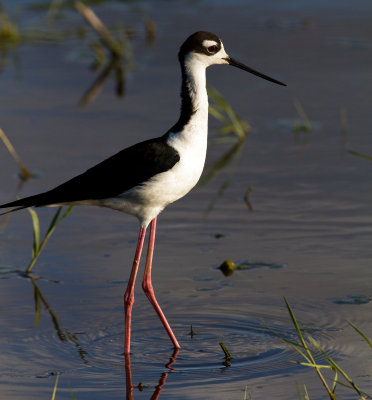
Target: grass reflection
116 40
234 129
121 56
9 34
63 334
115 65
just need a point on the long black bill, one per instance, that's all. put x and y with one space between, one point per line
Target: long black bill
238 64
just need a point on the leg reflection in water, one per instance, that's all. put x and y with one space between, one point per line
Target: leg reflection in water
158 387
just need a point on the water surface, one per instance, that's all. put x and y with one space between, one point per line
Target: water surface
309 211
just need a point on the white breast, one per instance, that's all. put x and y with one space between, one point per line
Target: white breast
147 200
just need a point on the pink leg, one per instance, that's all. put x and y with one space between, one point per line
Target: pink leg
128 377
129 293
148 289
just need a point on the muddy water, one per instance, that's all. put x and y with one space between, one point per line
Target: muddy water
306 233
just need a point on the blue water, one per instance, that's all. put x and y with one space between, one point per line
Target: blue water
309 207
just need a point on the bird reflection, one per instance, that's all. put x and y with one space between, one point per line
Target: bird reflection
158 388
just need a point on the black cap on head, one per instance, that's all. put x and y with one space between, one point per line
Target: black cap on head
195 43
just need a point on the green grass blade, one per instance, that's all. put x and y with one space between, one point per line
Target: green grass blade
215 95
295 323
55 387
245 393
72 395
308 351
226 129
69 209
330 360
296 346
360 333
306 125
307 397
222 111
300 394
23 171
335 381
335 366
55 221
213 110
238 127
360 155
36 232
299 391
312 365
226 352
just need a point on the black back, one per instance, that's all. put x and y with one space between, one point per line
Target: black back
113 176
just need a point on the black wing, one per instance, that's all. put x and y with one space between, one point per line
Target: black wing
113 176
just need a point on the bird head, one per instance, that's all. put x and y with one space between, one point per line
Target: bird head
206 49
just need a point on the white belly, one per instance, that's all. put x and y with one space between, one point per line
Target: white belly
146 201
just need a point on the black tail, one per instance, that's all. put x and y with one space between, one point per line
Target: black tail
37 200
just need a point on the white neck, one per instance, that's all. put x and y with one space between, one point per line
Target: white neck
194 108
196 84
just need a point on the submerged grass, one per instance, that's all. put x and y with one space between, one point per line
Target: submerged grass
225 351
228 357
303 123
344 131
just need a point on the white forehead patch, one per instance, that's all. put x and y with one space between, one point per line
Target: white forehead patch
207 43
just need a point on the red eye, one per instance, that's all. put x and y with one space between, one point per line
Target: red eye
212 49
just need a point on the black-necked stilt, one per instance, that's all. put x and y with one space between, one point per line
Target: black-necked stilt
143 179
